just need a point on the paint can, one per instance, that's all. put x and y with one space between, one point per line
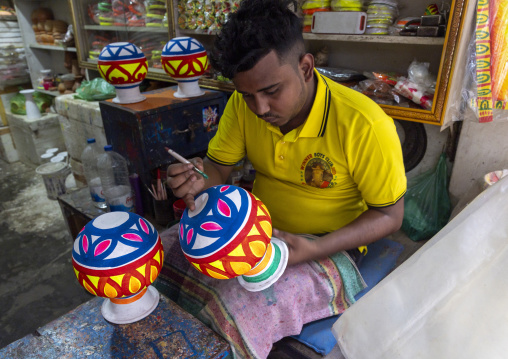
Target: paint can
54 175
178 208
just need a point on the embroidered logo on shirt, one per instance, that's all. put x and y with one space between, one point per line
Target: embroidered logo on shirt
317 171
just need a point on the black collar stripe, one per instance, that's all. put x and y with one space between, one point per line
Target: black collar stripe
327 109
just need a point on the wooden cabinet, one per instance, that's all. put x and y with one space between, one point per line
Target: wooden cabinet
357 52
140 131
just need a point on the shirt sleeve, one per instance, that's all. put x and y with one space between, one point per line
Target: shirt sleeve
378 165
227 147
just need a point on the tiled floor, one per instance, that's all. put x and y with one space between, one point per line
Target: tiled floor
37 282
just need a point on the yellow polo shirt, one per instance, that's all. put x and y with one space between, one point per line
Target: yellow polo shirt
322 175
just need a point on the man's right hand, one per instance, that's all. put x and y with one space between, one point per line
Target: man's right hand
184 182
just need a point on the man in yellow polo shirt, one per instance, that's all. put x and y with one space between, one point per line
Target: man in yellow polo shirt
328 159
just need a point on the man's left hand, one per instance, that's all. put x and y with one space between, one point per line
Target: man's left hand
300 248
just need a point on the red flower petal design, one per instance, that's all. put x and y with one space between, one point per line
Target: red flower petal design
132 237
211 226
189 235
223 208
85 243
143 225
101 247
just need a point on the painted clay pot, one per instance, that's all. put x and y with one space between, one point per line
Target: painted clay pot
124 66
228 235
185 60
117 256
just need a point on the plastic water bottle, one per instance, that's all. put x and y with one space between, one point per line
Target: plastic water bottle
89 158
114 175
249 173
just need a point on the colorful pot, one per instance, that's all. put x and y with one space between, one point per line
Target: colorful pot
185 60
123 65
117 256
228 235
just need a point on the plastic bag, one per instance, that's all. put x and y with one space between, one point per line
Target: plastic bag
340 75
418 72
415 92
427 203
379 91
483 76
386 76
42 101
96 90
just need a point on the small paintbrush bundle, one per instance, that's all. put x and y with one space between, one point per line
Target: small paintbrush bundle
162 205
158 190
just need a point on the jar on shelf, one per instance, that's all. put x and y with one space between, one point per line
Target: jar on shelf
45 75
48 83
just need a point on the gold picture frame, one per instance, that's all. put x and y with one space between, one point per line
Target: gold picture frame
435 115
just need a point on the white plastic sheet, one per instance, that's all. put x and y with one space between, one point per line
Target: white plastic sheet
449 300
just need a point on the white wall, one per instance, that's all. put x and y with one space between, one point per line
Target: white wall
483 148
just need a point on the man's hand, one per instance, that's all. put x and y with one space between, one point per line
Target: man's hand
300 249
184 182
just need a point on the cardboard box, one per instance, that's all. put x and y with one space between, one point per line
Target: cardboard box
79 121
78 172
33 137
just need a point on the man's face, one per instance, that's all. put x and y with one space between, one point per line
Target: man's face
274 91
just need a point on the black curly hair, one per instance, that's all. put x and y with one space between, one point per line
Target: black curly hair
258 27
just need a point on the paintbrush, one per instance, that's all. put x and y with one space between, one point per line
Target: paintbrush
183 160
159 185
153 194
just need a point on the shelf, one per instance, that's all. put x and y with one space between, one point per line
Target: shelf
409 40
51 93
217 85
127 28
197 32
52 47
14 82
351 38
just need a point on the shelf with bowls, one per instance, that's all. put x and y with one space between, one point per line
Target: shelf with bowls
164 30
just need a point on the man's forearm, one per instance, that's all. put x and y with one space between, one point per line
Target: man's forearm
216 174
369 227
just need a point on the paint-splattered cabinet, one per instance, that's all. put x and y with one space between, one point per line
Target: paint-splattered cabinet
140 131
